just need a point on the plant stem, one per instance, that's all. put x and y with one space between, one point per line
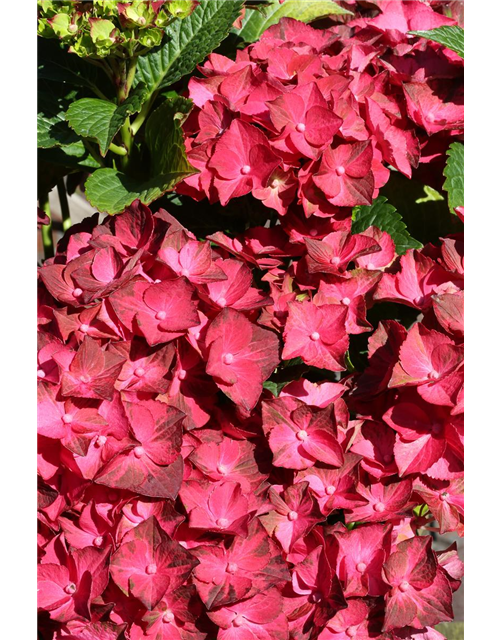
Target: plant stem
120 151
127 75
350 367
126 78
128 141
143 114
48 242
131 74
63 200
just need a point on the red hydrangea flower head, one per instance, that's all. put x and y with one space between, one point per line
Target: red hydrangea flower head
236 437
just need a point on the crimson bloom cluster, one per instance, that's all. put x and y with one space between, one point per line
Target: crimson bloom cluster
317 115
165 509
191 485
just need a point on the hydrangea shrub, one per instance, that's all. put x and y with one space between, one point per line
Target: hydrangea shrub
251 434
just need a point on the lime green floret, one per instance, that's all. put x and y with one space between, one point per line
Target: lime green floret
108 27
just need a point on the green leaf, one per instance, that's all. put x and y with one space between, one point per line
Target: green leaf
452 37
110 191
454 173
100 119
293 362
274 387
74 156
256 22
384 216
164 136
52 128
95 118
60 66
188 42
427 219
